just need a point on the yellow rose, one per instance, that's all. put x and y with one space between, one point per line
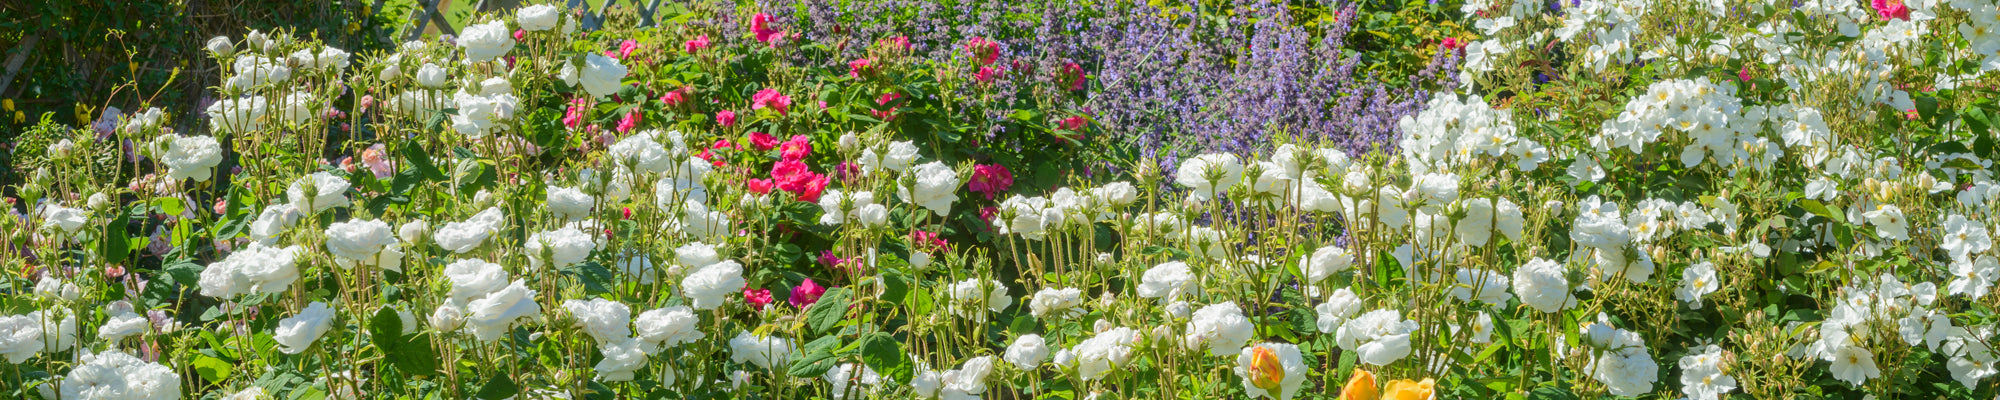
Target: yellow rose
1361 386
1404 389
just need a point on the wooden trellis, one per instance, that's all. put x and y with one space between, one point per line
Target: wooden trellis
427 13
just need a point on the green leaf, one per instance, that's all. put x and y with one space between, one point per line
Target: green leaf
170 205
420 161
385 330
415 355
210 368
814 364
115 246
592 275
895 287
404 181
499 387
881 352
826 314
1817 208
1551 393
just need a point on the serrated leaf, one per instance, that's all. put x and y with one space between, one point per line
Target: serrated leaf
499 387
211 369
1817 208
881 352
115 246
420 161
385 330
813 364
828 312
415 355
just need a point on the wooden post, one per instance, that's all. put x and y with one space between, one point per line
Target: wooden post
18 58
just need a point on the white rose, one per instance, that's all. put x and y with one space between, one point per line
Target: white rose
486 42
297 332
358 240
537 18
599 75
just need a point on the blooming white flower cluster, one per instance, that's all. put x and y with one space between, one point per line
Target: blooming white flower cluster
113 374
1620 360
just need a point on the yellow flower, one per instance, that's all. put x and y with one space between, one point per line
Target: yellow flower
1361 386
1404 389
7 104
1266 372
20 117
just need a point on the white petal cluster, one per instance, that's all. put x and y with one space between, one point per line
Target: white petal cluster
113 374
464 236
298 332
563 247
1208 175
1167 281
599 75
1221 328
839 207
486 42
1377 337
764 351
707 287
24 336
971 295
318 192
190 157
935 189
486 112
537 18
254 269
1619 359
1056 302
358 240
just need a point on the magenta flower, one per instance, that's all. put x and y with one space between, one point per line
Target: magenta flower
675 97
631 121
576 113
760 26
805 294
829 260
1890 9
795 149
927 240
1073 123
984 50
763 141
793 176
520 34
986 74
757 298
770 98
990 179
857 67
625 49
1073 74
696 45
901 42
725 118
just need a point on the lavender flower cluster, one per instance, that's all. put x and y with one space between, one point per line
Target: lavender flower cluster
1166 81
